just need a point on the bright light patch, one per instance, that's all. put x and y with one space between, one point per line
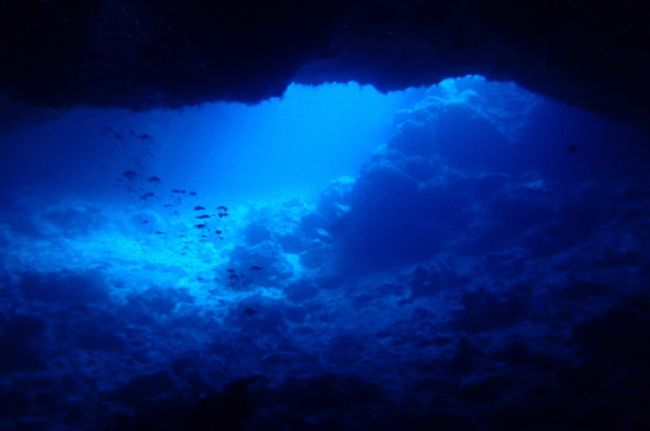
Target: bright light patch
279 148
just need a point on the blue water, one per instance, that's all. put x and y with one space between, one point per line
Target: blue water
469 256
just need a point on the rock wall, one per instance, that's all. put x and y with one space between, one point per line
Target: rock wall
140 54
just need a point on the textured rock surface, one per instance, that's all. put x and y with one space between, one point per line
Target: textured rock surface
446 287
141 54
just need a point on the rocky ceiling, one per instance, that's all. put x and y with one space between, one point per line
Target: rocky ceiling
140 54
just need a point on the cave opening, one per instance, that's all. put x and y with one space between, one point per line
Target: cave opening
323 259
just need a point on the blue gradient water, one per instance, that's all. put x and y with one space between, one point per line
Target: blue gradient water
465 256
293 145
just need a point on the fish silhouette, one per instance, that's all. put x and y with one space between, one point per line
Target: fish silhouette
130 175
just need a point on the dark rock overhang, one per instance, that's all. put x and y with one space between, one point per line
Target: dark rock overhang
140 54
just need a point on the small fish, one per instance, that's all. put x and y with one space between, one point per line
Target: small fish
147 195
203 216
159 232
222 208
249 311
118 136
223 215
145 137
192 193
178 191
200 279
573 148
154 179
218 232
230 270
145 221
255 268
199 208
233 277
130 175
200 226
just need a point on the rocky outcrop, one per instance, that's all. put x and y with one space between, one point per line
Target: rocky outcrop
139 54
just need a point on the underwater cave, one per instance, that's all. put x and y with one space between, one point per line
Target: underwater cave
327 216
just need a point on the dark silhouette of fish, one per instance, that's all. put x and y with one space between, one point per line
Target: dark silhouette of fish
192 193
158 232
203 216
255 268
154 179
249 311
145 137
179 191
130 175
118 136
230 270
200 226
147 195
223 215
218 232
198 208
573 148
222 208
